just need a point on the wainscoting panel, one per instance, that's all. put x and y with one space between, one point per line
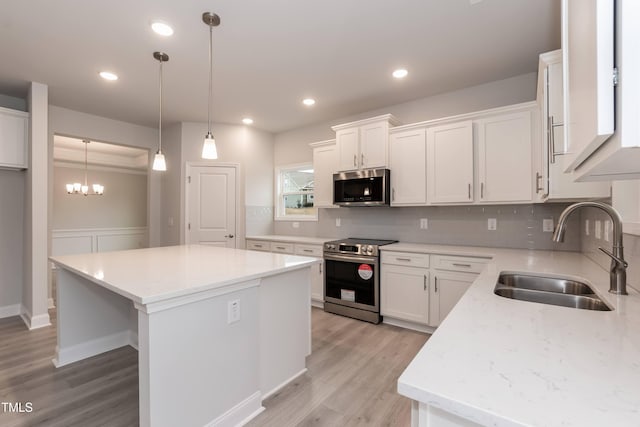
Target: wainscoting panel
88 240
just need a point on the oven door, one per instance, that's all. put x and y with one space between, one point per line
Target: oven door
352 281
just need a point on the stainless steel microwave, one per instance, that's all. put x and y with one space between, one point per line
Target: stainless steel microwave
368 187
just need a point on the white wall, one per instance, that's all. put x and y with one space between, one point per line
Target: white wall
250 148
292 146
171 185
74 123
12 185
123 204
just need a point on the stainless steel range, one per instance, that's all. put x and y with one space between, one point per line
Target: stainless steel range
352 278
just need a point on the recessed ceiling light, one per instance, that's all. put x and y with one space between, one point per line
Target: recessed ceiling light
400 73
247 121
162 28
108 75
308 102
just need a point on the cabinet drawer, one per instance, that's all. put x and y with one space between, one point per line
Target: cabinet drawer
456 263
285 248
308 250
405 258
258 245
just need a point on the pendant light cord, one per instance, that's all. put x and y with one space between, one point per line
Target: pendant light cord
210 75
86 144
160 119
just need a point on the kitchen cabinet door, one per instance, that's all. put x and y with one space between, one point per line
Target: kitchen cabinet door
588 49
404 293
407 162
447 289
505 158
450 163
14 133
325 162
374 139
317 285
348 144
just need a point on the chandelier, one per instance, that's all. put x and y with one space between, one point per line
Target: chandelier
78 188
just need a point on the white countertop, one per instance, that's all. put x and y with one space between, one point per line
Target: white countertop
292 239
156 274
504 362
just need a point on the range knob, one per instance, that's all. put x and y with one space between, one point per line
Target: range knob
369 249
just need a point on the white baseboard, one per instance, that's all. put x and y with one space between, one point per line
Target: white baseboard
319 304
240 414
408 325
51 303
282 385
10 310
94 347
34 322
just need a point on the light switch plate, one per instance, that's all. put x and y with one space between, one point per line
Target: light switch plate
598 232
338 222
233 311
424 223
547 225
492 224
295 224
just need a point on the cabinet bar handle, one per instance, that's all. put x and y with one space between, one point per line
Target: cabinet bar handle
403 259
307 250
552 149
280 247
258 246
425 282
355 160
393 194
436 283
538 179
361 159
469 191
320 267
482 190
461 265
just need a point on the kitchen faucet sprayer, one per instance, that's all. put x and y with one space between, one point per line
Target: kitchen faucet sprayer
618 269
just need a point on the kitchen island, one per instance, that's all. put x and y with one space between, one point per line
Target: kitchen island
503 362
217 330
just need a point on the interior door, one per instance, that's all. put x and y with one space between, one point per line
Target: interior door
211 205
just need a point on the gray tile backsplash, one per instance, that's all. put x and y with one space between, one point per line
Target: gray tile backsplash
259 220
590 244
518 226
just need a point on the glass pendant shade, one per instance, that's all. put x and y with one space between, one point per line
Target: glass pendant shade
209 150
159 163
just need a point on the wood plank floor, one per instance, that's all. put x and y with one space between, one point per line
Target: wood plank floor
351 379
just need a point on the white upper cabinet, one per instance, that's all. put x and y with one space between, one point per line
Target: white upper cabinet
588 49
618 158
407 162
450 163
325 162
364 144
552 183
505 158
14 133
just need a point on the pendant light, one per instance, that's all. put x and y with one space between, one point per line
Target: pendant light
209 150
159 163
77 188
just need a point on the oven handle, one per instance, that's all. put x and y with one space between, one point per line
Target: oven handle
353 259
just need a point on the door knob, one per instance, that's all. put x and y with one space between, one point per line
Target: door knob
229 236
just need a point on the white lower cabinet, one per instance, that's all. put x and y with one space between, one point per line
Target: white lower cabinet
448 288
418 290
303 249
404 293
14 135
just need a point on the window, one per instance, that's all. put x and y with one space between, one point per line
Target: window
294 193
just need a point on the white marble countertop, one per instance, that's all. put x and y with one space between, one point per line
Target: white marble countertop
292 239
155 274
504 362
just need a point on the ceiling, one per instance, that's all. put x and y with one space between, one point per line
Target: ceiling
268 55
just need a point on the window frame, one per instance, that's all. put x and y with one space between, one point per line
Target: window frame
278 211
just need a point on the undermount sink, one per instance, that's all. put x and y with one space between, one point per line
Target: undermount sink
549 290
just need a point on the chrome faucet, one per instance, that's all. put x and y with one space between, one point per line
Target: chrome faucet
618 270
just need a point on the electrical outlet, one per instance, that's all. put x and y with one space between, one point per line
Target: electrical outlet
233 311
586 227
607 228
295 224
338 222
547 225
598 229
492 224
424 223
